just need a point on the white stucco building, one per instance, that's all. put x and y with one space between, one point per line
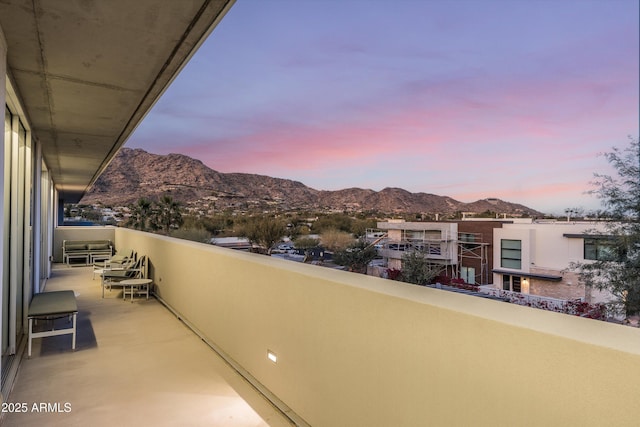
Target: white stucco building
536 258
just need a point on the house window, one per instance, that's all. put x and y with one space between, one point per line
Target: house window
511 283
599 250
467 237
511 253
468 274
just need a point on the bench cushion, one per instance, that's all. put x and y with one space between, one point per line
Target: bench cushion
75 247
50 303
98 247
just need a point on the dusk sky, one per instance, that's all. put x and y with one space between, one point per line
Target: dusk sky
470 99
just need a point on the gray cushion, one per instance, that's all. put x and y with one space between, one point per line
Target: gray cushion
76 247
98 247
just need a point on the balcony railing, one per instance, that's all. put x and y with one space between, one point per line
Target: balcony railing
358 350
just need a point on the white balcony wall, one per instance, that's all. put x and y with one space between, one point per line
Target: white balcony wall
362 351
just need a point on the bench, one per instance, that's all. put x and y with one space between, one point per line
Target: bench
89 250
50 306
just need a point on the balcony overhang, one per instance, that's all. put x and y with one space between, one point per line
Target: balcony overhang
588 236
547 277
86 73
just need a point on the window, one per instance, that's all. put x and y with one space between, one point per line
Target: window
511 283
467 237
511 253
600 249
468 274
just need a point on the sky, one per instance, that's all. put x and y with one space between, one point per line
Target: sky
514 99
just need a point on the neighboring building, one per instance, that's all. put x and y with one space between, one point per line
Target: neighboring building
437 240
515 255
463 248
240 243
535 258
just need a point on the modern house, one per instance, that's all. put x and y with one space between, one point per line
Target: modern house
536 258
325 347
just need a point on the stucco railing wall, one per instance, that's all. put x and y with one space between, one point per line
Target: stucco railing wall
362 351
79 233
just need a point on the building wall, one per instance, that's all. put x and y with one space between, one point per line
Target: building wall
361 351
526 236
546 251
3 199
568 288
22 254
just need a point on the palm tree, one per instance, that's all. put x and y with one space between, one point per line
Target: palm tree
140 214
167 215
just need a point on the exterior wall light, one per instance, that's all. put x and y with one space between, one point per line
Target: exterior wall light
272 356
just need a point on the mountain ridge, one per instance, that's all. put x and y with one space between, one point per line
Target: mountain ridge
135 173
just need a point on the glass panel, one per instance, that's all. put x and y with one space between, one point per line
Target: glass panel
590 249
6 243
606 251
506 282
511 263
510 253
469 274
511 244
516 284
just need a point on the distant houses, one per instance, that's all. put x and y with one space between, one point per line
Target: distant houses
520 256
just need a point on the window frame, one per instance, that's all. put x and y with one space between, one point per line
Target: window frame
511 257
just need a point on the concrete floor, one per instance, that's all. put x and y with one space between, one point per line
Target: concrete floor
135 364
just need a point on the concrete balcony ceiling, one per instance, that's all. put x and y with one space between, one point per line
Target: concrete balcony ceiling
87 72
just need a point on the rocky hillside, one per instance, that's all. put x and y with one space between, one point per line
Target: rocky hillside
134 173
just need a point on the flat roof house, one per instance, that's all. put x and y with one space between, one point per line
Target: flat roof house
536 258
325 347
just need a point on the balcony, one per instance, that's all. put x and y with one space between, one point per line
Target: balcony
352 350
134 364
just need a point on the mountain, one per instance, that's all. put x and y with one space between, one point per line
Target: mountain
135 173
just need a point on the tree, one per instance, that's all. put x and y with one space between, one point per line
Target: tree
619 270
264 232
417 269
167 214
336 240
306 244
356 256
340 222
140 214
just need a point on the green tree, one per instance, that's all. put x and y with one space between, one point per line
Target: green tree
167 214
140 214
359 226
340 222
264 232
619 273
91 214
417 269
356 256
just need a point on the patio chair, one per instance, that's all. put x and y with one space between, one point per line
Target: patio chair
121 257
112 276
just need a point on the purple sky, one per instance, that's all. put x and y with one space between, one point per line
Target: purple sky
471 99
